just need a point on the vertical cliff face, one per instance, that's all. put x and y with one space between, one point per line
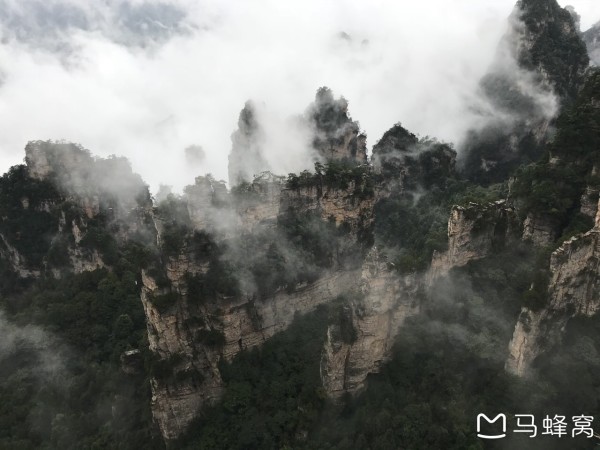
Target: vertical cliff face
192 326
574 289
473 233
191 340
540 229
260 203
212 208
340 206
190 331
45 160
187 375
361 341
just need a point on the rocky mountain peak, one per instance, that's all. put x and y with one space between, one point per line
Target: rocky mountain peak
336 135
74 171
246 158
539 68
548 42
418 162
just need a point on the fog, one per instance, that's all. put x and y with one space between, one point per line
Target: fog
148 79
29 338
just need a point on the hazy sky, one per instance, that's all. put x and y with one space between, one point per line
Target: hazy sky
146 79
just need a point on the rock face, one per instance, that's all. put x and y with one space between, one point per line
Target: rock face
380 302
336 135
190 334
16 260
473 233
362 341
574 289
540 230
174 335
590 197
189 378
246 158
193 334
340 206
260 202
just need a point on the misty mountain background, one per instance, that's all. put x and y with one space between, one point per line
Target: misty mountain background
163 76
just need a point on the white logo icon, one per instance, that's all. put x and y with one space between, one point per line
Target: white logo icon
501 417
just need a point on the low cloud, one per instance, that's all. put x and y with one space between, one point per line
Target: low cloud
49 355
148 79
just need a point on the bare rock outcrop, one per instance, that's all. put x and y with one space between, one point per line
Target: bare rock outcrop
574 289
187 377
193 338
540 230
259 203
190 334
589 198
589 201
473 232
362 341
16 260
341 206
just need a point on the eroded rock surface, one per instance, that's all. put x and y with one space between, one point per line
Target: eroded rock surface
371 320
473 233
574 289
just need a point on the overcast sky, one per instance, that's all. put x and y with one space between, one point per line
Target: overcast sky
147 79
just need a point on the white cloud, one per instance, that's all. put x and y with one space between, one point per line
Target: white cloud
588 9
418 64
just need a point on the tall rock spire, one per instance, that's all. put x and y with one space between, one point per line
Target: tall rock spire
539 68
246 158
336 135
